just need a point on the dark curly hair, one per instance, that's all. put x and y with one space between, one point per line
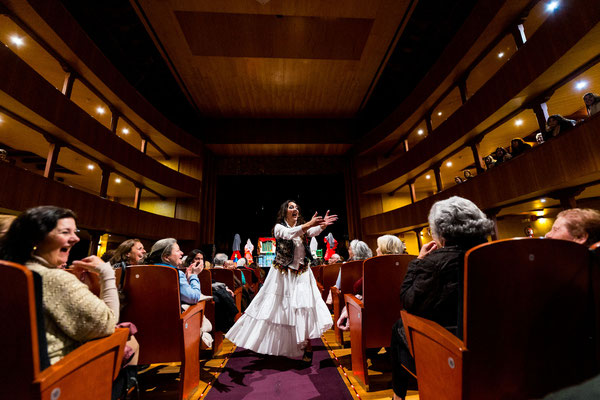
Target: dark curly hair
283 212
190 257
28 230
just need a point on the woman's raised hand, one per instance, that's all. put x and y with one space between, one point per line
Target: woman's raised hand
316 220
328 220
92 263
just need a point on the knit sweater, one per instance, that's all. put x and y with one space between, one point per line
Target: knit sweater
72 313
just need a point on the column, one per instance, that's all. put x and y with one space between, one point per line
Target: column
51 160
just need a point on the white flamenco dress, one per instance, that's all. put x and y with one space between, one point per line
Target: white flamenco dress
287 310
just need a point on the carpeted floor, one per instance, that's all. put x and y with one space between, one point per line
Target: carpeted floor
249 375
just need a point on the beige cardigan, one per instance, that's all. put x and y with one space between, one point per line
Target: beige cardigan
72 313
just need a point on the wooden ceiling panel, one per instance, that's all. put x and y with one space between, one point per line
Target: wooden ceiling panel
297 59
274 36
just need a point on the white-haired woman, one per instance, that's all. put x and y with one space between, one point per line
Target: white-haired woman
433 285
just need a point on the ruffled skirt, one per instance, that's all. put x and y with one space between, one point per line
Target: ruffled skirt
286 311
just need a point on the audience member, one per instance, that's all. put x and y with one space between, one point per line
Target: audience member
334 259
501 155
358 250
167 252
458 179
580 225
219 261
557 124
489 162
130 252
518 146
592 103
107 255
432 286
467 174
41 238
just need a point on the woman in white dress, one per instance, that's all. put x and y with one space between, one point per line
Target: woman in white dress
288 310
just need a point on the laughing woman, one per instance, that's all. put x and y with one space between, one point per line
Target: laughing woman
41 239
288 310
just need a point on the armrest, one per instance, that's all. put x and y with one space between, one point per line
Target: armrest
84 354
352 301
432 330
193 310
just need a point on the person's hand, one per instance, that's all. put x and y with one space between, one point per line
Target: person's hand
315 220
328 220
229 291
426 249
197 267
91 263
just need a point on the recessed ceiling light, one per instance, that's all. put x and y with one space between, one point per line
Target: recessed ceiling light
501 54
118 180
449 164
17 41
125 131
427 176
553 5
581 85
439 114
543 200
90 166
100 110
519 122
420 131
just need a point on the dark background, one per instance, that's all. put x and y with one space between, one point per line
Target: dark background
248 205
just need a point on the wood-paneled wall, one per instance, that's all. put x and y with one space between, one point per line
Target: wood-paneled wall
569 160
22 189
30 96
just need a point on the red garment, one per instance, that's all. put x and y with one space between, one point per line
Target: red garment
330 250
236 256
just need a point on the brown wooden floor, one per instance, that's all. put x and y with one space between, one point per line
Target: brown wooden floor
159 382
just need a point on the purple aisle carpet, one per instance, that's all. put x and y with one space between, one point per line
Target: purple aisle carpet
249 375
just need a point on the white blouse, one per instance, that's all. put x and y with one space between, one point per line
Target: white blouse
295 234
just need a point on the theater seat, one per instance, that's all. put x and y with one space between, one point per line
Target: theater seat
86 372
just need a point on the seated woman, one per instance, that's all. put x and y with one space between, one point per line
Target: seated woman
501 155
358 250
518 146
432 286
41 239
386 244
579 225
557 124
167 252
592 103
130 252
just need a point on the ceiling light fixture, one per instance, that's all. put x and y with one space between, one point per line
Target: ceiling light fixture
100 110
17 41
118 180
449 164
90 167
420 131
553 5
427 176
125 131
519 122
440 114
543 200
501 54
581 85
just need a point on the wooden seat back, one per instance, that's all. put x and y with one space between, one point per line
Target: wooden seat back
164 333
205 279
330 273
527 318
350 273
382 280
226 276
318 273
528 324
90 368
